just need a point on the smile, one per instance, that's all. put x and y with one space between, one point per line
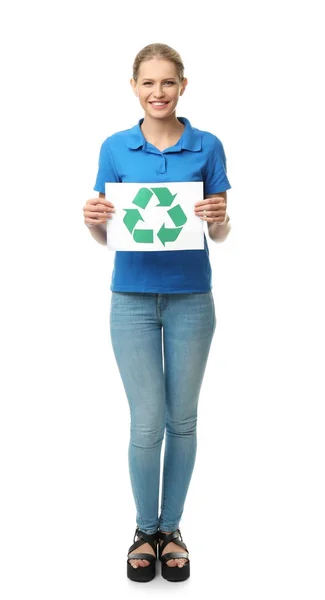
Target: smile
159 105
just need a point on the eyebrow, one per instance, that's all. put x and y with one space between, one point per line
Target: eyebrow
165 79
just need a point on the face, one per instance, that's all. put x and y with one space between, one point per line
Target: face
158 87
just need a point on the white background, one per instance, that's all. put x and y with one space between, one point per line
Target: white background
254 518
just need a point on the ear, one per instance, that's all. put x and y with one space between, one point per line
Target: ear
183 86
134 86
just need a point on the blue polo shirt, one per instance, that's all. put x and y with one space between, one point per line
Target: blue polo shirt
126 156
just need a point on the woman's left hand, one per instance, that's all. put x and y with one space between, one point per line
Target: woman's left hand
212 210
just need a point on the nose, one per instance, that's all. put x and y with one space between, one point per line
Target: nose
158 91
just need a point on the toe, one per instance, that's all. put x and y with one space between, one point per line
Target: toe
171 563
143 563
134 563
180 562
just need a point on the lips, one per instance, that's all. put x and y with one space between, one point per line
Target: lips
159 105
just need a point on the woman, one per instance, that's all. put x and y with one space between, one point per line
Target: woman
162 311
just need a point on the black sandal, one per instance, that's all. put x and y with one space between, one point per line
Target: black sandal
142 574
173 573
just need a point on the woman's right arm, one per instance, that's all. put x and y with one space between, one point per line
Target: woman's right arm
96 212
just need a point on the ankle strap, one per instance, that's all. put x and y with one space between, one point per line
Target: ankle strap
166 538
170 536
149 538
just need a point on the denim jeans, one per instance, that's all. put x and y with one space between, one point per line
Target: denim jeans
161 344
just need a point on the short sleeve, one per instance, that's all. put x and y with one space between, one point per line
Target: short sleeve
106 169
216 179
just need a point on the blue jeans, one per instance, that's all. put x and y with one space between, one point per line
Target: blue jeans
161 344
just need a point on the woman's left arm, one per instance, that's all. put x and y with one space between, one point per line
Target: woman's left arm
213 210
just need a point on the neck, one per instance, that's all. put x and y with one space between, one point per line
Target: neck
161 128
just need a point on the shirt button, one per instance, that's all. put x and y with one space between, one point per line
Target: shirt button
161 164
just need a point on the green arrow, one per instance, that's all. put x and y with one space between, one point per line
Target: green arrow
142 198
131 218
144 236
164 196
168 235
177 215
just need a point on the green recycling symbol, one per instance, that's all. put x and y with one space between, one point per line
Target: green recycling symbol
142 199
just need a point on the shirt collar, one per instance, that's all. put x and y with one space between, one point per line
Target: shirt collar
190 139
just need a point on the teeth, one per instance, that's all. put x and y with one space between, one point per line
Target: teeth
159 103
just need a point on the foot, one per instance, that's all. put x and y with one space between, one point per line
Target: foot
144 548
172 547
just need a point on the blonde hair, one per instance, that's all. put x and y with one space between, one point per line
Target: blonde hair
161 51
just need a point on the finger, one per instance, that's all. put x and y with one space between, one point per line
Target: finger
217 209
99 202
108 206
100 208
100 215
200 212
202 217
211 214
95 221
207 212
207 201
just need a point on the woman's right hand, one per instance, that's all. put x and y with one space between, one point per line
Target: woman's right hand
97 211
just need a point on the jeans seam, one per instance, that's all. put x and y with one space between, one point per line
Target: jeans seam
137 499
162 500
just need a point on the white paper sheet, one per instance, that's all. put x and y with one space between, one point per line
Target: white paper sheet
154 216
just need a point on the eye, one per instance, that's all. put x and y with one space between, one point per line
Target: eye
147 83
169 82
